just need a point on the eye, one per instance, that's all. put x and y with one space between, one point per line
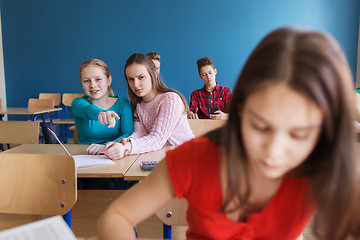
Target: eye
300 135
98 79
141 77
130 79
86 81
260 127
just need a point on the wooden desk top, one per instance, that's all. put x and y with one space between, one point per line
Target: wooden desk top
106 171
27 111
135 173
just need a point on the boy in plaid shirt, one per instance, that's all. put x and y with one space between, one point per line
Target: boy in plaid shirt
212 100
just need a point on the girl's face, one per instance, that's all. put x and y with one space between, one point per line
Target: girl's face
139 81
280 129
94 82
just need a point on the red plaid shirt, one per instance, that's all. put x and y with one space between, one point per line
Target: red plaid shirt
201 100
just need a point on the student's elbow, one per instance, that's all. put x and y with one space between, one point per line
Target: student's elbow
113 225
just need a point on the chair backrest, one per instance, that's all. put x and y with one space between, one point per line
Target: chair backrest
0 103
54 96
174 213
67 98
37 184
76 136
203 126
40 103
19 132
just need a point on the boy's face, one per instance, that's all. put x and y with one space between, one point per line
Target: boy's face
207 74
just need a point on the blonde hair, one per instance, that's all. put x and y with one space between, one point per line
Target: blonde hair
100 64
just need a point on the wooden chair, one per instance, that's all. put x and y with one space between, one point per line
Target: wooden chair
19 132
203 126
76 136
173 214
36 184
40 103
56 97
67 99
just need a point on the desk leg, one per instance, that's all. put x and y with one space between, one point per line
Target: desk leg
67 217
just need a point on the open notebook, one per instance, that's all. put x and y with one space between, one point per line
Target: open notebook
86 160
53 228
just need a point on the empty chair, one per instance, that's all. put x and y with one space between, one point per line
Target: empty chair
56 97
67 99
36 184
19 132
40 103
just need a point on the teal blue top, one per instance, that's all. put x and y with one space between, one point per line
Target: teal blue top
89 128
357 90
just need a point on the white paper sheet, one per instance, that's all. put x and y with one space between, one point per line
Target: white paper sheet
53 228
92 160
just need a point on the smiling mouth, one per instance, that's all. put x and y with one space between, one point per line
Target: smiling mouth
94 91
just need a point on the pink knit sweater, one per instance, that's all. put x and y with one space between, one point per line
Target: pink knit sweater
163 121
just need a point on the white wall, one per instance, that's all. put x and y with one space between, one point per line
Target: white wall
2 75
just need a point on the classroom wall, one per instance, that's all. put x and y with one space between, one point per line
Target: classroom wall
358 62
45 41
2 76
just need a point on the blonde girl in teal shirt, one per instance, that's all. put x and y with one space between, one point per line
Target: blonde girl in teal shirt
95 112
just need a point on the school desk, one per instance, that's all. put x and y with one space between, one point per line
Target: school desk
134 173
28 111
107 171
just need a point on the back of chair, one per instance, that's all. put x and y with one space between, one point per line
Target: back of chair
76 136
67 98
203 126
37 184
56 97
40 103
174 213
0 103
19 132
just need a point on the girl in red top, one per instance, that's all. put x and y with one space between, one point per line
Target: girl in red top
286 150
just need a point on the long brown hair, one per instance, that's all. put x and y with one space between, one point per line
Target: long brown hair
100 64
312 64
156 81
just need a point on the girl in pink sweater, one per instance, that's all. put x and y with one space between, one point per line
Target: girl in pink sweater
160 113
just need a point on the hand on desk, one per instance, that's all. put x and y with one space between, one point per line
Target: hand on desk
108 117
117 150
192 115
219 115
95 149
